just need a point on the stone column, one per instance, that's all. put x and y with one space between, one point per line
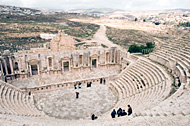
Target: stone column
30 70
116 57
5 66
1 65
27 65
38 69
119 57
11 64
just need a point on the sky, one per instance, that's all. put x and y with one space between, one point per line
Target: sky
134 5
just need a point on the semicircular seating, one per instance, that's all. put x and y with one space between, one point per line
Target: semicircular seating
177 52
15 102
145 84
142 85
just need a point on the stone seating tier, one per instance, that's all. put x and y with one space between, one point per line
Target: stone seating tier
14 101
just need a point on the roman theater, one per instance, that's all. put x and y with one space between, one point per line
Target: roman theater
38 86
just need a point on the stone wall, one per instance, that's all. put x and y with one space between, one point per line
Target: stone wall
23 65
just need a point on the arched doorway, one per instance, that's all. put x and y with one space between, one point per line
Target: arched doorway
33 64
16 66
34 69
94 61
66 66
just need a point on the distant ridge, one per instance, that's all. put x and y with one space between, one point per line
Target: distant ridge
178 9
96 10
27 8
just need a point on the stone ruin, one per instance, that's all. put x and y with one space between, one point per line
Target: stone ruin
156 86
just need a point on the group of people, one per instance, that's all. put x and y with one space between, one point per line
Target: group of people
121 112
102 81
89 84
79 85
93 117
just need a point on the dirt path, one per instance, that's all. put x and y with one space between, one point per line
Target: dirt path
101 38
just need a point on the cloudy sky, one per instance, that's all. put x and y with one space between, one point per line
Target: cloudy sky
85 4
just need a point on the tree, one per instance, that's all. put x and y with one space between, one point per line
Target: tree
150 45
142 48
134 48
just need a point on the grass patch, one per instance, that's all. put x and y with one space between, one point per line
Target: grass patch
126 37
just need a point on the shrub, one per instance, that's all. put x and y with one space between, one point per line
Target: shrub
142 49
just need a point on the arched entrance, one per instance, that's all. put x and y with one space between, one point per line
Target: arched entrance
16 66
94 61
65 64
34 67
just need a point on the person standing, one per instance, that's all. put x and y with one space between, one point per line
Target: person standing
75 86
100 80
77 95
104 81
129 110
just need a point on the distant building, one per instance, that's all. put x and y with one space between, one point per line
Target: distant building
47 36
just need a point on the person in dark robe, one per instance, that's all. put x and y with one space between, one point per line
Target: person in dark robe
75 86
104 81
113 113
129 110
93 117
119 112
77 94
123 113
100 80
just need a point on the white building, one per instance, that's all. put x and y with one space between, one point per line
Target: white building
47 36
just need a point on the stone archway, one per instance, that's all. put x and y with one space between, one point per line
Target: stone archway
94 61
16 66
34 67
65 64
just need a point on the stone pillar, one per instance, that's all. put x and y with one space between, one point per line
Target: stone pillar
116 57
27 65
1 65
5 66
38 69
11 64
30 70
